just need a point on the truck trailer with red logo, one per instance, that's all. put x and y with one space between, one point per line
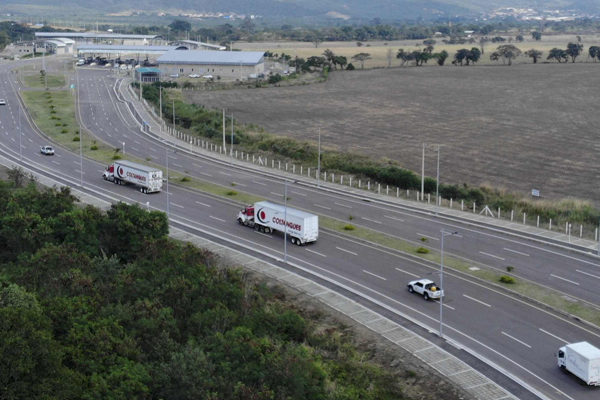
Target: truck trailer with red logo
301 227
148 179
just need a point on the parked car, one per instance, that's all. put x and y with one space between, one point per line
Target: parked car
2 102
194 75
208 76
47 150
174 76
425 287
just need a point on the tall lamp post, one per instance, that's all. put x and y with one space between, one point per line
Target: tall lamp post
285 222
443 233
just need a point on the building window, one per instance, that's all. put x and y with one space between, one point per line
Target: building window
181 70
232 70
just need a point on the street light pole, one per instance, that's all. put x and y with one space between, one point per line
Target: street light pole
443 233
423 173
437 178
285 221
160 106
231 144
319 161
167 162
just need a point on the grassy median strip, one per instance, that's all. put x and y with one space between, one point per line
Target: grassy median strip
39 81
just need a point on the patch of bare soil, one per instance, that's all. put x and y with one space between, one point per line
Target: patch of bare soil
520 127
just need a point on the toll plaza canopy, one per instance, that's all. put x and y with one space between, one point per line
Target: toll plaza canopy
123 49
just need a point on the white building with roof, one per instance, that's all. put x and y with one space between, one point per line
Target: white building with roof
224 64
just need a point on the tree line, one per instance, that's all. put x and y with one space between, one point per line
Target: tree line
103 305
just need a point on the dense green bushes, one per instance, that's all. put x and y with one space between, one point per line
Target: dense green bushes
103 305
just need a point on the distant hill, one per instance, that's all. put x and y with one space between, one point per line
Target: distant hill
350 9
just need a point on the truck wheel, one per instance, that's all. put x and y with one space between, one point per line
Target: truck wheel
425 296
240 221
298 242
410 289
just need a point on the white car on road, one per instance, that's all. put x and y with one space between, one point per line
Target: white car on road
47 150
194 75
2 102
426 288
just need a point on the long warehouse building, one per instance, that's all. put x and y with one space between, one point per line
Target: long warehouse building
224 64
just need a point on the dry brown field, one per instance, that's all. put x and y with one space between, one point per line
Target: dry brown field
520 127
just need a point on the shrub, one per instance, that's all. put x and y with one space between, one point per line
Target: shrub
350 217
93 147
509 268
116 157
349 227
507 279
65 124
185 179
76 139
64 131
231 193
57 124
423 239
422 250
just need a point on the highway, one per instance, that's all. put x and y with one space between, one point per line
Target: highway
509 333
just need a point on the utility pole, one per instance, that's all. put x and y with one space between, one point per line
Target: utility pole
160 106
231 145
223 129
437 179
319 161
423 173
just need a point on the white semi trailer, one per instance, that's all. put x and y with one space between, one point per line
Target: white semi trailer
582 360
300 226
148 179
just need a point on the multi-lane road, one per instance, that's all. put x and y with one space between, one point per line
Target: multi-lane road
511 334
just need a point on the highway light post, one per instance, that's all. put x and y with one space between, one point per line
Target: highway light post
231 144
285 222
437 178
423 173
167 162
160 106
443 233
319 161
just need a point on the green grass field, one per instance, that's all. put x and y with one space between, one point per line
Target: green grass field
37 81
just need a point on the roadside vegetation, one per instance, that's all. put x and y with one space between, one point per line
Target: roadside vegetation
105 305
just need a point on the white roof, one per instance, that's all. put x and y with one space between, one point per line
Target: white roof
57 43
91 35
212 57
585 348
281 209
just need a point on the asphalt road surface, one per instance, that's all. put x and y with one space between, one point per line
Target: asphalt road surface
511 334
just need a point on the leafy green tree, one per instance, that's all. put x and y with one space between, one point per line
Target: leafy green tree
519 38
536 35
498 39
403 56
461 56
574 50
594 52
128 228
361 57
441 57
507 52
329 57
559 55
534 54
179 26
30 360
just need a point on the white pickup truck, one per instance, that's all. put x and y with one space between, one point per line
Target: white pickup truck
426 288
